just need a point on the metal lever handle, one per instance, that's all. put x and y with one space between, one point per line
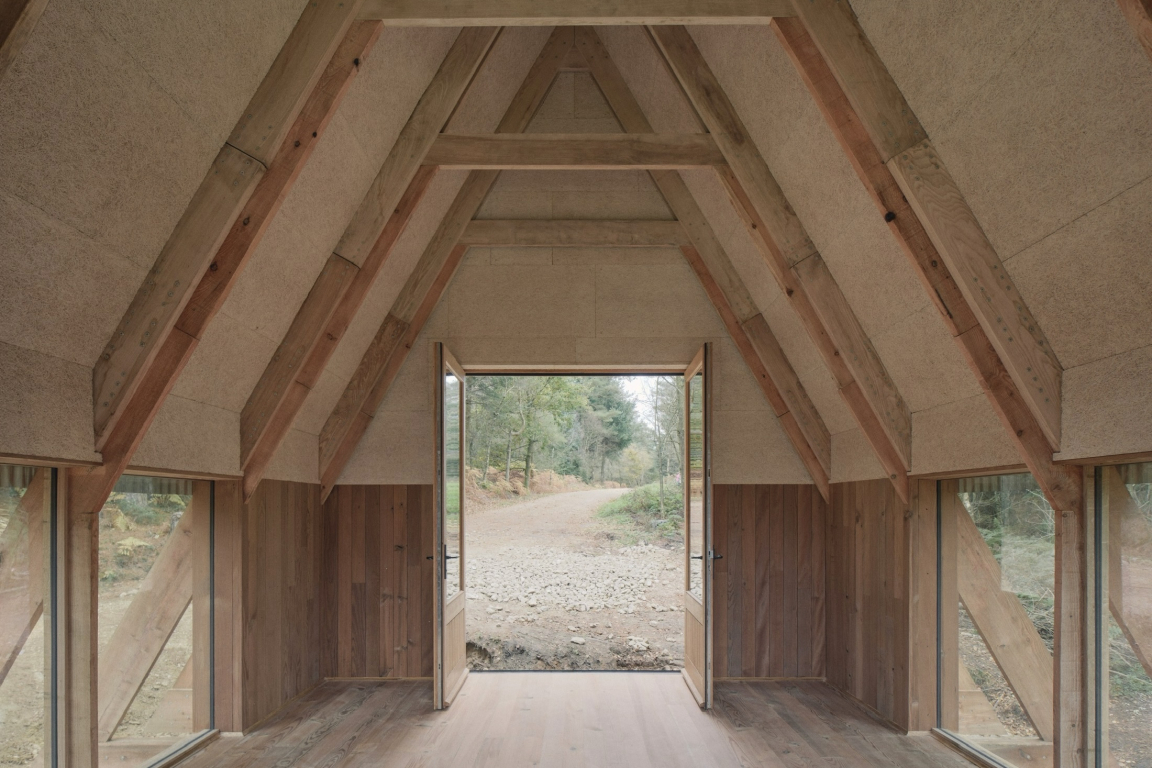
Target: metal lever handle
697 557
451 557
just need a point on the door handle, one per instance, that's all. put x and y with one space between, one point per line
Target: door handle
712 554
697 557
451 557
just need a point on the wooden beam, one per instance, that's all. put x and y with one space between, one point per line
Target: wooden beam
77 620
1070 613
200 660
573 233
538 151
144 629
903 145
549 13
1061 485
279 383
725 288
367 241
17 20
22 569
864 382
388 350
215 208
1139 15
90 487
1009 634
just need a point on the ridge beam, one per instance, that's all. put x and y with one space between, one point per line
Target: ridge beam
561 13
544 151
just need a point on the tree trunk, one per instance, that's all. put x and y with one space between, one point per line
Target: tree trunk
487 459
508 460
659 447
603 463
528 466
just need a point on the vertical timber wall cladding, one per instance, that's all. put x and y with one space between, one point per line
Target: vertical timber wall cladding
281 644
769 588
868 606
377 581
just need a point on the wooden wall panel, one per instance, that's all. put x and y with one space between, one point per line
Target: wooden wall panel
868 565
377 581
769 587
281 596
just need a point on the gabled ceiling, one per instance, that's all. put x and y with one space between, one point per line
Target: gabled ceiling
1042 126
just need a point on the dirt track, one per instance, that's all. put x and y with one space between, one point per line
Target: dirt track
550 588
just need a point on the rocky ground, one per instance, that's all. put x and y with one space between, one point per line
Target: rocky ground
551 587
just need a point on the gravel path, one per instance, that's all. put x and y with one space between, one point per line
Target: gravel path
549 588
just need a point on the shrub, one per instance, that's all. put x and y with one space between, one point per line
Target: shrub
640 509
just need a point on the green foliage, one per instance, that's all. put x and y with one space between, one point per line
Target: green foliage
147 508
573 425
639 510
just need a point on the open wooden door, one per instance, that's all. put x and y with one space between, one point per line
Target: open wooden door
698 552
451 667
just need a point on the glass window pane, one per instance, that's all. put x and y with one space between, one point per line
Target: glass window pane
1004 561
25 672
1128 644
453 487
695 481
148 550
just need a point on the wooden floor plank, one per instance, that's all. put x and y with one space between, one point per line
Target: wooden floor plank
633 719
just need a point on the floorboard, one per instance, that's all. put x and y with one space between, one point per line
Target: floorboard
579 719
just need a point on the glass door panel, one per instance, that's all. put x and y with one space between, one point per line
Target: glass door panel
451 644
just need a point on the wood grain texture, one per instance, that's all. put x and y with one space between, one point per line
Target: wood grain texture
770 581
255 144
858 353
1070 617
512 13
542 151
373 545
367 241
868 601
573 233
1060 486
991 293
922 609
793 259
166 288
17 20
424 285
229 572
78 530
288 360
262 126
124 433
725 126
875 97
637 719
1139 16
721 281
198 672
281 537
436 104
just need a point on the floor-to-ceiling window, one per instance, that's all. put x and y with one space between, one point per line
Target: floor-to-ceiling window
997 559
1122 592
27 534
154 676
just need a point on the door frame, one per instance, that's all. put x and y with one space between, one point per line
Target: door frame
445 611
704 612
